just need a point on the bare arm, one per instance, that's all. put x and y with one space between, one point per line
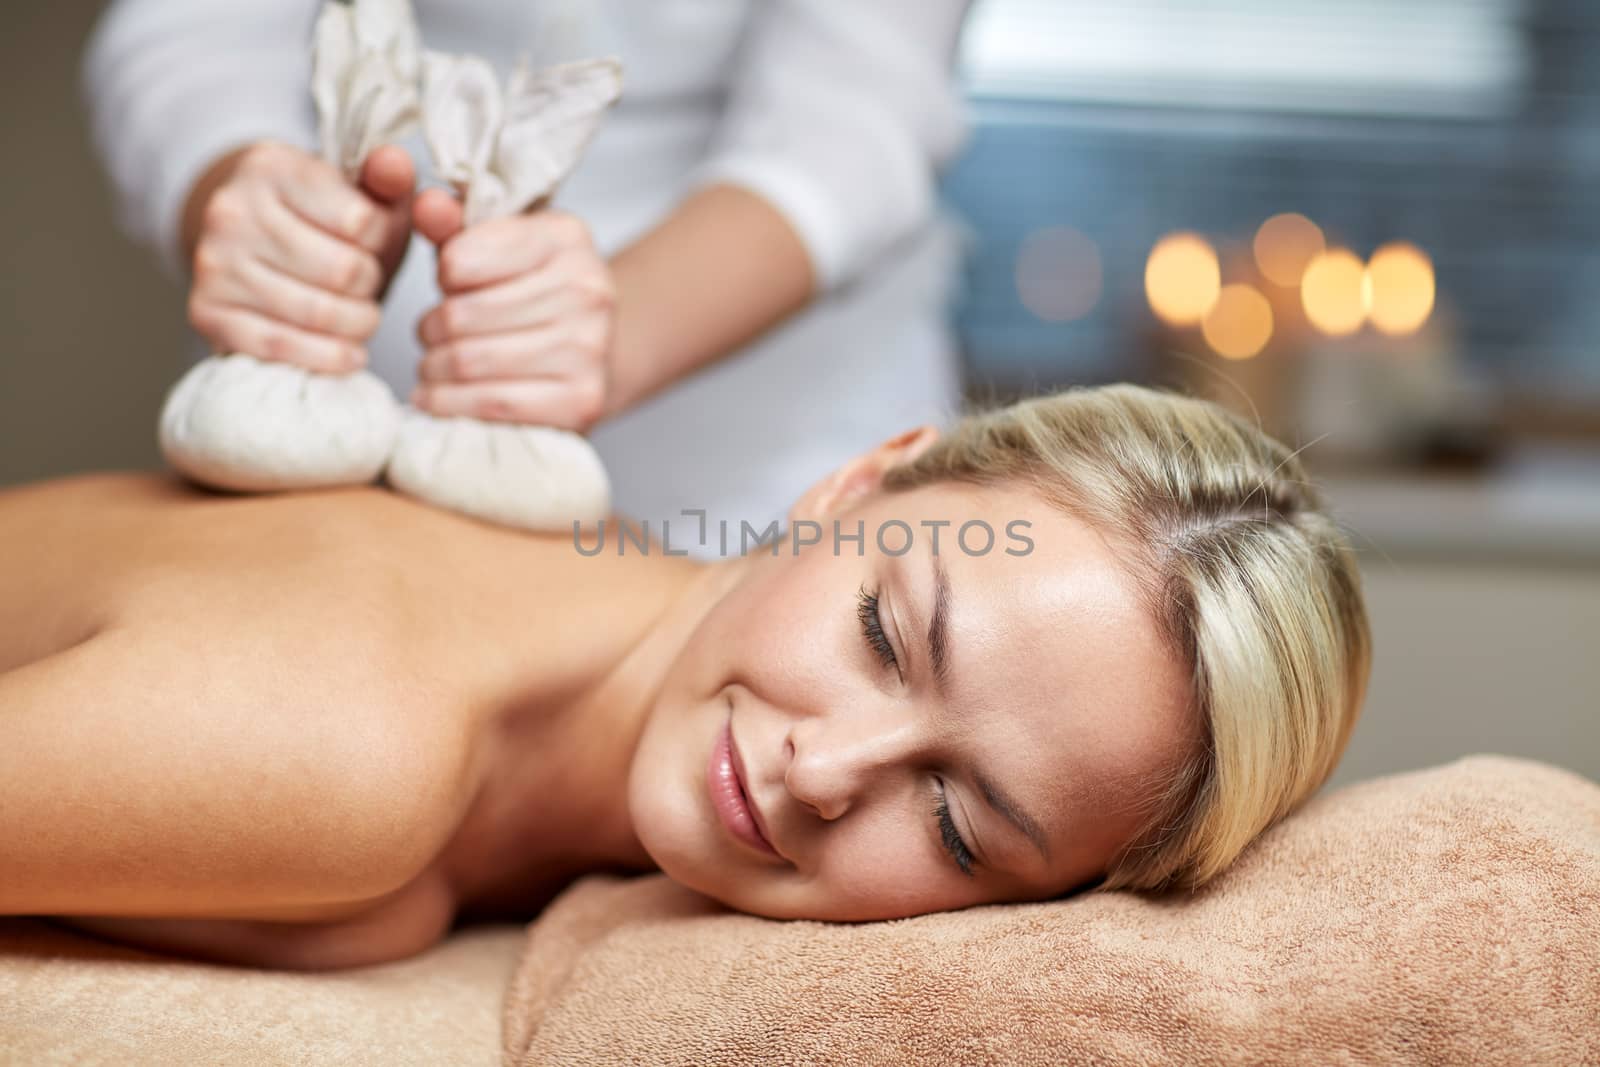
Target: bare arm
723 268
840 113
160 774
408 921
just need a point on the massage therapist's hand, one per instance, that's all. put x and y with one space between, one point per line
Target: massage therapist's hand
524 331
289 259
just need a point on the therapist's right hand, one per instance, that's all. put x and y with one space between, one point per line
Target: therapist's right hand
289 260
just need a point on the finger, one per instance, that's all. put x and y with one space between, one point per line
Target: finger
234 329
387 174
536 402
303 251
437 215
539 353
280 296
320 196
527 300
502 248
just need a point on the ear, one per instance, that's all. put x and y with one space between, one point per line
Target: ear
861 476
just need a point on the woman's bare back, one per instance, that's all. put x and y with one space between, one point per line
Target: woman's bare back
226 714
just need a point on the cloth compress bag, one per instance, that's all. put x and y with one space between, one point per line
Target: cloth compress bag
505 151
236 422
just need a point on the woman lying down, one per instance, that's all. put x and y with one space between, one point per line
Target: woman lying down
314 731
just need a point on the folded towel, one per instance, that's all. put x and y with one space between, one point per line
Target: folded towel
1446 916
69 1000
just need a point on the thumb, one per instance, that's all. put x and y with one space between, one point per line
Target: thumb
387 174
437 215
389 177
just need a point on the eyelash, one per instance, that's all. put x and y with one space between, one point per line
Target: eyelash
872 628
951 836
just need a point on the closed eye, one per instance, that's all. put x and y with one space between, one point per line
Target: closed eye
950 836
872 628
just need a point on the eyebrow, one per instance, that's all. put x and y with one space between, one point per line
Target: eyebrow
1005 805
939 628
939 655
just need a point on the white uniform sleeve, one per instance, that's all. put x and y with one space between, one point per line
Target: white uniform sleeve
840 114
171 85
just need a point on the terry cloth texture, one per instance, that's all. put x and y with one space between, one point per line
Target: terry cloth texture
69 1000
1448 916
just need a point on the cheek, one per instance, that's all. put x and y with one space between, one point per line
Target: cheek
884 870
783 623
661 800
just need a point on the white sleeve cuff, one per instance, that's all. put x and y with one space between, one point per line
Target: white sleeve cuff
840 115
800 199
851 187
172 85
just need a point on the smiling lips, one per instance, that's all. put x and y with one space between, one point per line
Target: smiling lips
725 780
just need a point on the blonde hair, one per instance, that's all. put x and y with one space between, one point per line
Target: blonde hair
1248 578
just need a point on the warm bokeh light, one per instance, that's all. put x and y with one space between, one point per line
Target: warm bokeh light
1285 245
1333 292
1239 324
1400 288
1058 274
1182 278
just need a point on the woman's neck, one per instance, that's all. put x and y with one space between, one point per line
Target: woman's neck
553 798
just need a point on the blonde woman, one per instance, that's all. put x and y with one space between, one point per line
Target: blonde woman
293 732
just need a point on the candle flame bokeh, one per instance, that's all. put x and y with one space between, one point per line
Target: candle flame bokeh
1334 292
1239 324
1182 278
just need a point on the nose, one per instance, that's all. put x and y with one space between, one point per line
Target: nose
837 760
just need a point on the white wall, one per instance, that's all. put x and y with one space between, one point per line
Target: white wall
1479 656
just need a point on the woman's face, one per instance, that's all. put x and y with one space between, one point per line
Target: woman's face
1058 702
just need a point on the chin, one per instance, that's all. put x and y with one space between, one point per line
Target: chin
670 815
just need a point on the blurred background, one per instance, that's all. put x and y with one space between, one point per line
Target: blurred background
1362 222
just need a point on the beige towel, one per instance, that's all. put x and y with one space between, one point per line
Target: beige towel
1448 916
67 1000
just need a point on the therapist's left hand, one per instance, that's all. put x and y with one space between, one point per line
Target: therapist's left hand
524 331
